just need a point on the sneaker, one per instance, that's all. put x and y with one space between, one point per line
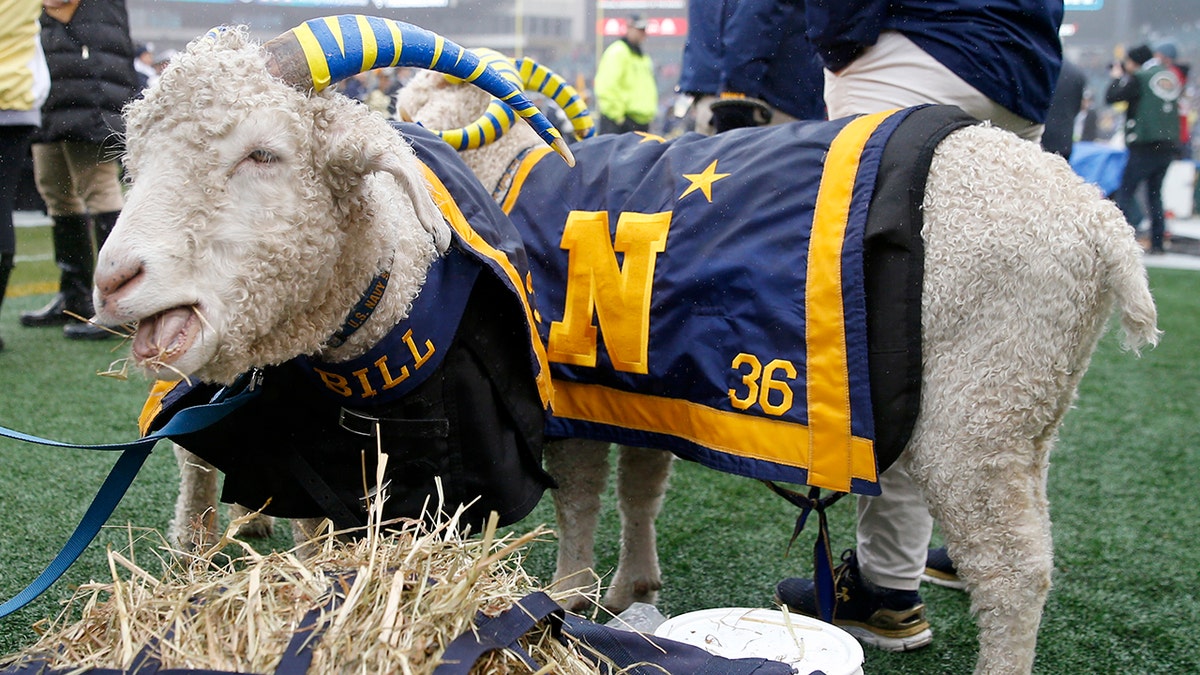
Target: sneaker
940 570
884 618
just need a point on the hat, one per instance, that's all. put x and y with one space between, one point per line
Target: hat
1168 50
637 21
1140 54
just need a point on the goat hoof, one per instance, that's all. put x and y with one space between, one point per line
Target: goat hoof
621 595
576 603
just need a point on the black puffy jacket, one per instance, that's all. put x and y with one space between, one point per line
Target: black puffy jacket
91 74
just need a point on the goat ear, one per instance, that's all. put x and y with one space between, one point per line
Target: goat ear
348 153
408 176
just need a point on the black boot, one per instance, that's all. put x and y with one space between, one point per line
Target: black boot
6 265
103 222
81 330
73 253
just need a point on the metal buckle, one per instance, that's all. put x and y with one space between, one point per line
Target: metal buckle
256 378
354 422
247 381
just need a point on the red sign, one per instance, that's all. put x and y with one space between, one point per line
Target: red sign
615 26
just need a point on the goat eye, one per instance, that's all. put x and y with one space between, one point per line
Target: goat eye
261 156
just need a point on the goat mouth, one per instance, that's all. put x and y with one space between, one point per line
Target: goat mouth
164 337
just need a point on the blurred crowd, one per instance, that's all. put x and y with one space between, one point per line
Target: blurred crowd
62 130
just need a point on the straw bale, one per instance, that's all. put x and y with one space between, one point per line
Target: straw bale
406 591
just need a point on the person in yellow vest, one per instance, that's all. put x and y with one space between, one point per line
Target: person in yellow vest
24 84
626 93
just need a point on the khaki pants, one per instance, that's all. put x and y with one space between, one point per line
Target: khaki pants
77 178
896 73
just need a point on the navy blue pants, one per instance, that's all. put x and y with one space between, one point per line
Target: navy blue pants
1147 164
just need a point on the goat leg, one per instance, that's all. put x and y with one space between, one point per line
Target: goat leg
642 476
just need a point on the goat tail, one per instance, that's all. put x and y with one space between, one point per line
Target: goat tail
1127 280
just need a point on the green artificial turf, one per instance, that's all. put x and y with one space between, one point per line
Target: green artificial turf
1126 594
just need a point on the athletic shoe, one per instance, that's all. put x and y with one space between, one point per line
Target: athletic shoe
884 618
940 570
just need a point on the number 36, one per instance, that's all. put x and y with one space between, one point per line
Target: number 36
761 381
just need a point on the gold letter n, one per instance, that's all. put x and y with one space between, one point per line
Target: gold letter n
619 296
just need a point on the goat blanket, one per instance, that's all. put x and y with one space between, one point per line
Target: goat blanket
739 299
700 345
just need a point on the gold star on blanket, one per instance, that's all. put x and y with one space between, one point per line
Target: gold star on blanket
703 181
646 137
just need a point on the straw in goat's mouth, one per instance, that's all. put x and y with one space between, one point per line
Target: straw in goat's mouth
160 339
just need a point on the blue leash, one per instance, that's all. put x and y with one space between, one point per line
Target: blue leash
133 455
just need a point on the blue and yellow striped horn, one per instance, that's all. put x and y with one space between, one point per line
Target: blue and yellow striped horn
530 76
324 51
539 78
497 119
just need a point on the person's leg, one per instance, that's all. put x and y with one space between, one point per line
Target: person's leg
104 224
96 175
1137 170
14 144
894 530
895 72
72 242
608 126
99 185
1154 200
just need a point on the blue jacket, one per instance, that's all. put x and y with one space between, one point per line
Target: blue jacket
700 71
767 56
1007 49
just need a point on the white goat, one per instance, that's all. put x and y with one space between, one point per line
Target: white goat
267 210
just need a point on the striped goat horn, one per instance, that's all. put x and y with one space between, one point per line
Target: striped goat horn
539 78
530 76
321 52
497 119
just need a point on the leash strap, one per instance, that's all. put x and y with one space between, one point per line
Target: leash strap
498 632
298 655
823 580
133 456
97 514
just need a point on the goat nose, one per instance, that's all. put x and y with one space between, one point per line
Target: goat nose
114 276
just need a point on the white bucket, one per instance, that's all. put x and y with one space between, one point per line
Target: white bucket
799 641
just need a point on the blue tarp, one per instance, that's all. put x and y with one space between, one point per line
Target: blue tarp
1100 164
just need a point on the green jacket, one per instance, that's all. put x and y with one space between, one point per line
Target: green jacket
1153 97
624 85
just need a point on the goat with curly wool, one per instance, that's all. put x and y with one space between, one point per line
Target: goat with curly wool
1023 264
